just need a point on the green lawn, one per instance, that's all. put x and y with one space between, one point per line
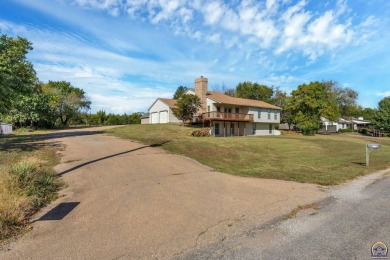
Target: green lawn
325 160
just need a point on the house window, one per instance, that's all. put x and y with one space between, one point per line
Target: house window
259 113
218 109
208 108
237 110
254 128
270 128
232 129
216 128
276 116
269 114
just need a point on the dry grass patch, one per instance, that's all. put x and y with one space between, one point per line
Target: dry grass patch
27 182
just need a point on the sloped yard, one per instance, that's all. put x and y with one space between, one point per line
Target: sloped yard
325 160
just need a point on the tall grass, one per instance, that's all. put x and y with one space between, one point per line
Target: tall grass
24 188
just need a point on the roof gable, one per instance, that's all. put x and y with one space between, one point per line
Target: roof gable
172 103
222 98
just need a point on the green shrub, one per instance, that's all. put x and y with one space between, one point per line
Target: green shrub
348 130
309 128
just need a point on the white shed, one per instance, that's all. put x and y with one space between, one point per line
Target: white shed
5 128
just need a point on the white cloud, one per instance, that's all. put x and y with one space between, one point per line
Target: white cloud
384 94
213 12
281 26
214 38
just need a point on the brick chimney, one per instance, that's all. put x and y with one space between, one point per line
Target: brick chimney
201 92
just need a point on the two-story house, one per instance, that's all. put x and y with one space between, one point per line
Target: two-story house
225 115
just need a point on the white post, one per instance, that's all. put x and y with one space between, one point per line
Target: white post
367 155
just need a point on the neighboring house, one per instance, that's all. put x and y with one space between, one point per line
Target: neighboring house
225 115
328 126
5 128
145 118
360 123
333 127
343 124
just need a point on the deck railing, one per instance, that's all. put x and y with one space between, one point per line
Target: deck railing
221 116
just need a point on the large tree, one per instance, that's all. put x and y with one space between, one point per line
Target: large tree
346 98
309 102
67 100
382 116
180 91
281 100
187 106
255 91
367 113
32 109
17 75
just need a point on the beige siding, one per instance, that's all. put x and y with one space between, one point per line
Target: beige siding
212 105
172 117
261 129
264 118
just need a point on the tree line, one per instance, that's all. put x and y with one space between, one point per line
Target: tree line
25 101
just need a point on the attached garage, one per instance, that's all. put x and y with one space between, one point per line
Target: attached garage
161 111
163 117
154 118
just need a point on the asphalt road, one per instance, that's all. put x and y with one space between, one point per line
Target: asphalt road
348 223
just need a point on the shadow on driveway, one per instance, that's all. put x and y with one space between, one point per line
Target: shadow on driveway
34 142
108 157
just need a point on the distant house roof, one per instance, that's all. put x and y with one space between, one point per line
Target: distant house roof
361 122
225 99
145 115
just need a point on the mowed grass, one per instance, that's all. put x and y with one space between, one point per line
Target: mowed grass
324 160
27 180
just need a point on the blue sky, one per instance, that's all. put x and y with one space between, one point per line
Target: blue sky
126 53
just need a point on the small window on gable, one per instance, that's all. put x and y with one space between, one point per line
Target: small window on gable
276 115
208 108
259 113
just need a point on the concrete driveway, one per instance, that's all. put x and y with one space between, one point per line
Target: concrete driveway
127 200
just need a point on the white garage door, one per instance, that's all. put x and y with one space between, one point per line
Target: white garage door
163 117
154 118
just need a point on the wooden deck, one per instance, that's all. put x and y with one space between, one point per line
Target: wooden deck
221 116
